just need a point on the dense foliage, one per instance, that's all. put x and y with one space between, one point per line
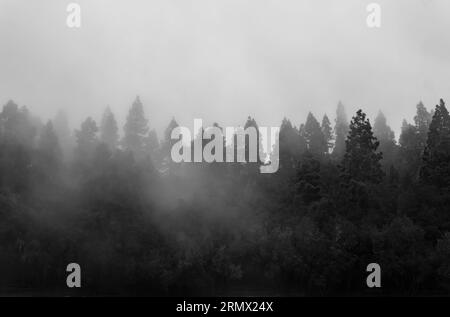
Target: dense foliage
138 223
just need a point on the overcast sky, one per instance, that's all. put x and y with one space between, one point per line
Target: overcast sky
222 60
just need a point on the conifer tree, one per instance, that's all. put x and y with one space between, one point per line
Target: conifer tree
86 139
327 132
341 130
108 129
289 146
436 157
386 137
422 121
361 161
314 136
135 129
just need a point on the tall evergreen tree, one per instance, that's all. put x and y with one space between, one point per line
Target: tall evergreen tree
108 129
17 136
86 139
386 137
135 129
16 124
436 157
361 160
410 152
422 120
290 145
341 130
412 143
327 132
314 136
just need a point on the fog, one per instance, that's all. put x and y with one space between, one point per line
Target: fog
224 60
139 219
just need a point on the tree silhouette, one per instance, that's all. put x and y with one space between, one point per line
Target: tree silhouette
341 129
108 129
327 132
361 160
135 129
86 139
314 136
386 137
436 157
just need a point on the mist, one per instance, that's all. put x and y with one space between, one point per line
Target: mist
224 60
89 180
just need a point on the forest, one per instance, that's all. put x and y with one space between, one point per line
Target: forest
346 194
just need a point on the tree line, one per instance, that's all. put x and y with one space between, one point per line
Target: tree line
137 223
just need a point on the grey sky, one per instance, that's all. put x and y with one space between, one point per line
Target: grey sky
222 60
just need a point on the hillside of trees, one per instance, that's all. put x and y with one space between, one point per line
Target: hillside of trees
347 194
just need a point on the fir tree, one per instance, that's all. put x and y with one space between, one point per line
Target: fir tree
290 145
327 132
361 160
135 129
86 139
386 137
314 136
341 130
436 157
422 121
108 129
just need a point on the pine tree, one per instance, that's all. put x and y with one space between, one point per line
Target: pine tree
289 145
361 161
17 136
381 130
327 132
410 152
314 136
108 129
16 124
412 141
86 139
386 137
135 129
341 130
422 120
436 157
303 143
